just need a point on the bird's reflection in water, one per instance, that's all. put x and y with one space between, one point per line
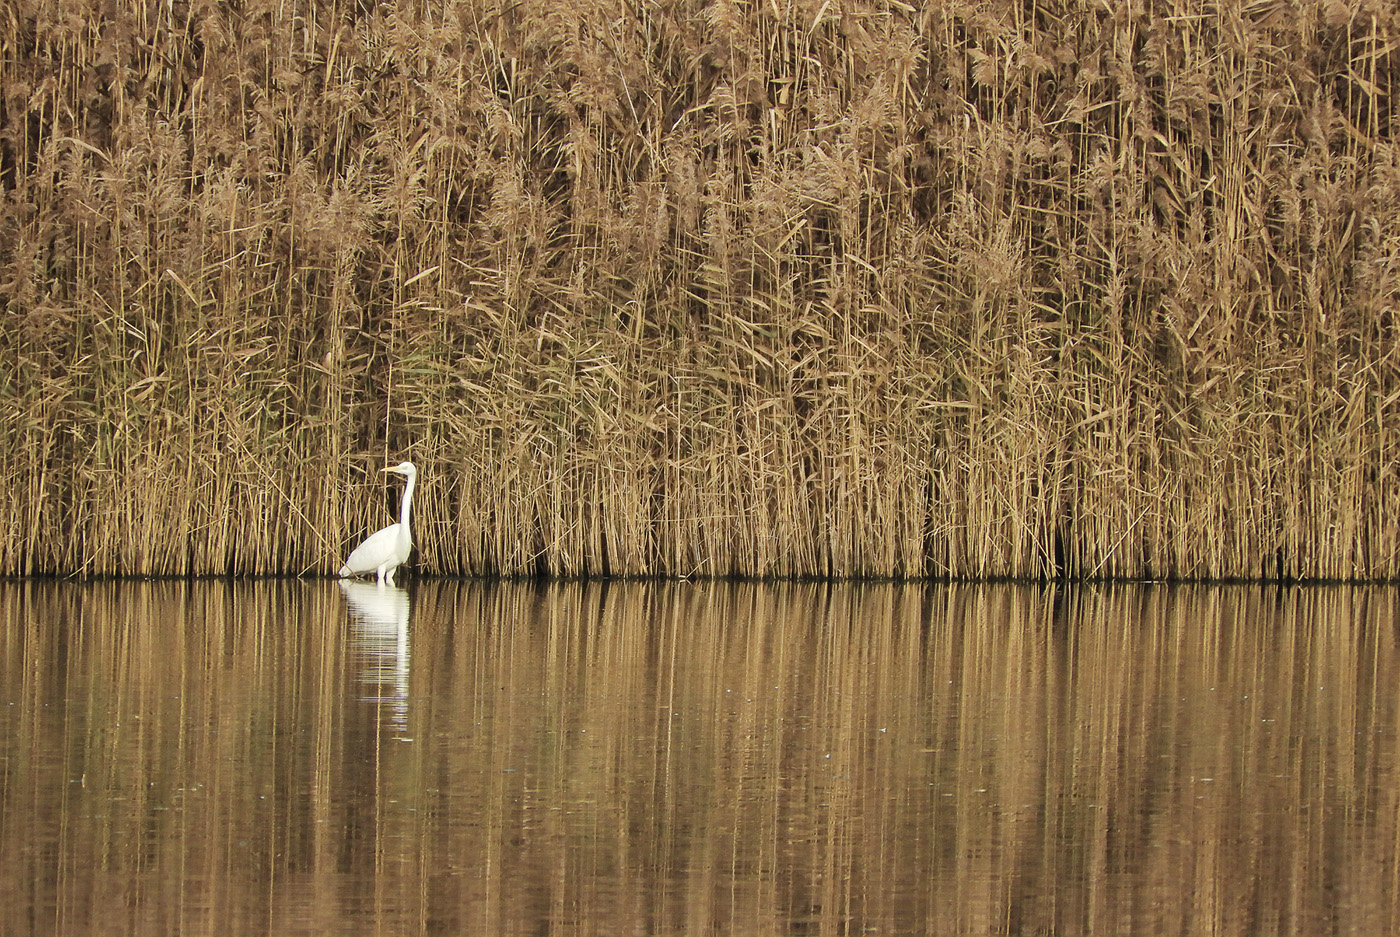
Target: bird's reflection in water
379 632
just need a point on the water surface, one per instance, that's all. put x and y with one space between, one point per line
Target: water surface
311 757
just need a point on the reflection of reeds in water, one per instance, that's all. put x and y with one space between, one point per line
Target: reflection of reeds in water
169 732
771 288
702 759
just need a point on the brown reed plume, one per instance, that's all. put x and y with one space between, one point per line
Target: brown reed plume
782 289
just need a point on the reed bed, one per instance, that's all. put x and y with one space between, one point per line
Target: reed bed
866 289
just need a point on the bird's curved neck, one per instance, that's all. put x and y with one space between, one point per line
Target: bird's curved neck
406 504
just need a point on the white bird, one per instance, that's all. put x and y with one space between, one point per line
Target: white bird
386 550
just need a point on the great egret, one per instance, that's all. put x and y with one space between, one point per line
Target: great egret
386 550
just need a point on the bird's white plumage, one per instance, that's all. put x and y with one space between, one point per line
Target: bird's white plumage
384 551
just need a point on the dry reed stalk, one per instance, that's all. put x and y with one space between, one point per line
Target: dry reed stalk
710 289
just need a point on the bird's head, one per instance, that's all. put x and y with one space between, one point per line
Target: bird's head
406 469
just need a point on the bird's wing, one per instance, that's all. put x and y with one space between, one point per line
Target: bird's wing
378 547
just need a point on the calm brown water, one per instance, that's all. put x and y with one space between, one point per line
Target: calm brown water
460 758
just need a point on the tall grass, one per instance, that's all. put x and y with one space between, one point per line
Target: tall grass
777 289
